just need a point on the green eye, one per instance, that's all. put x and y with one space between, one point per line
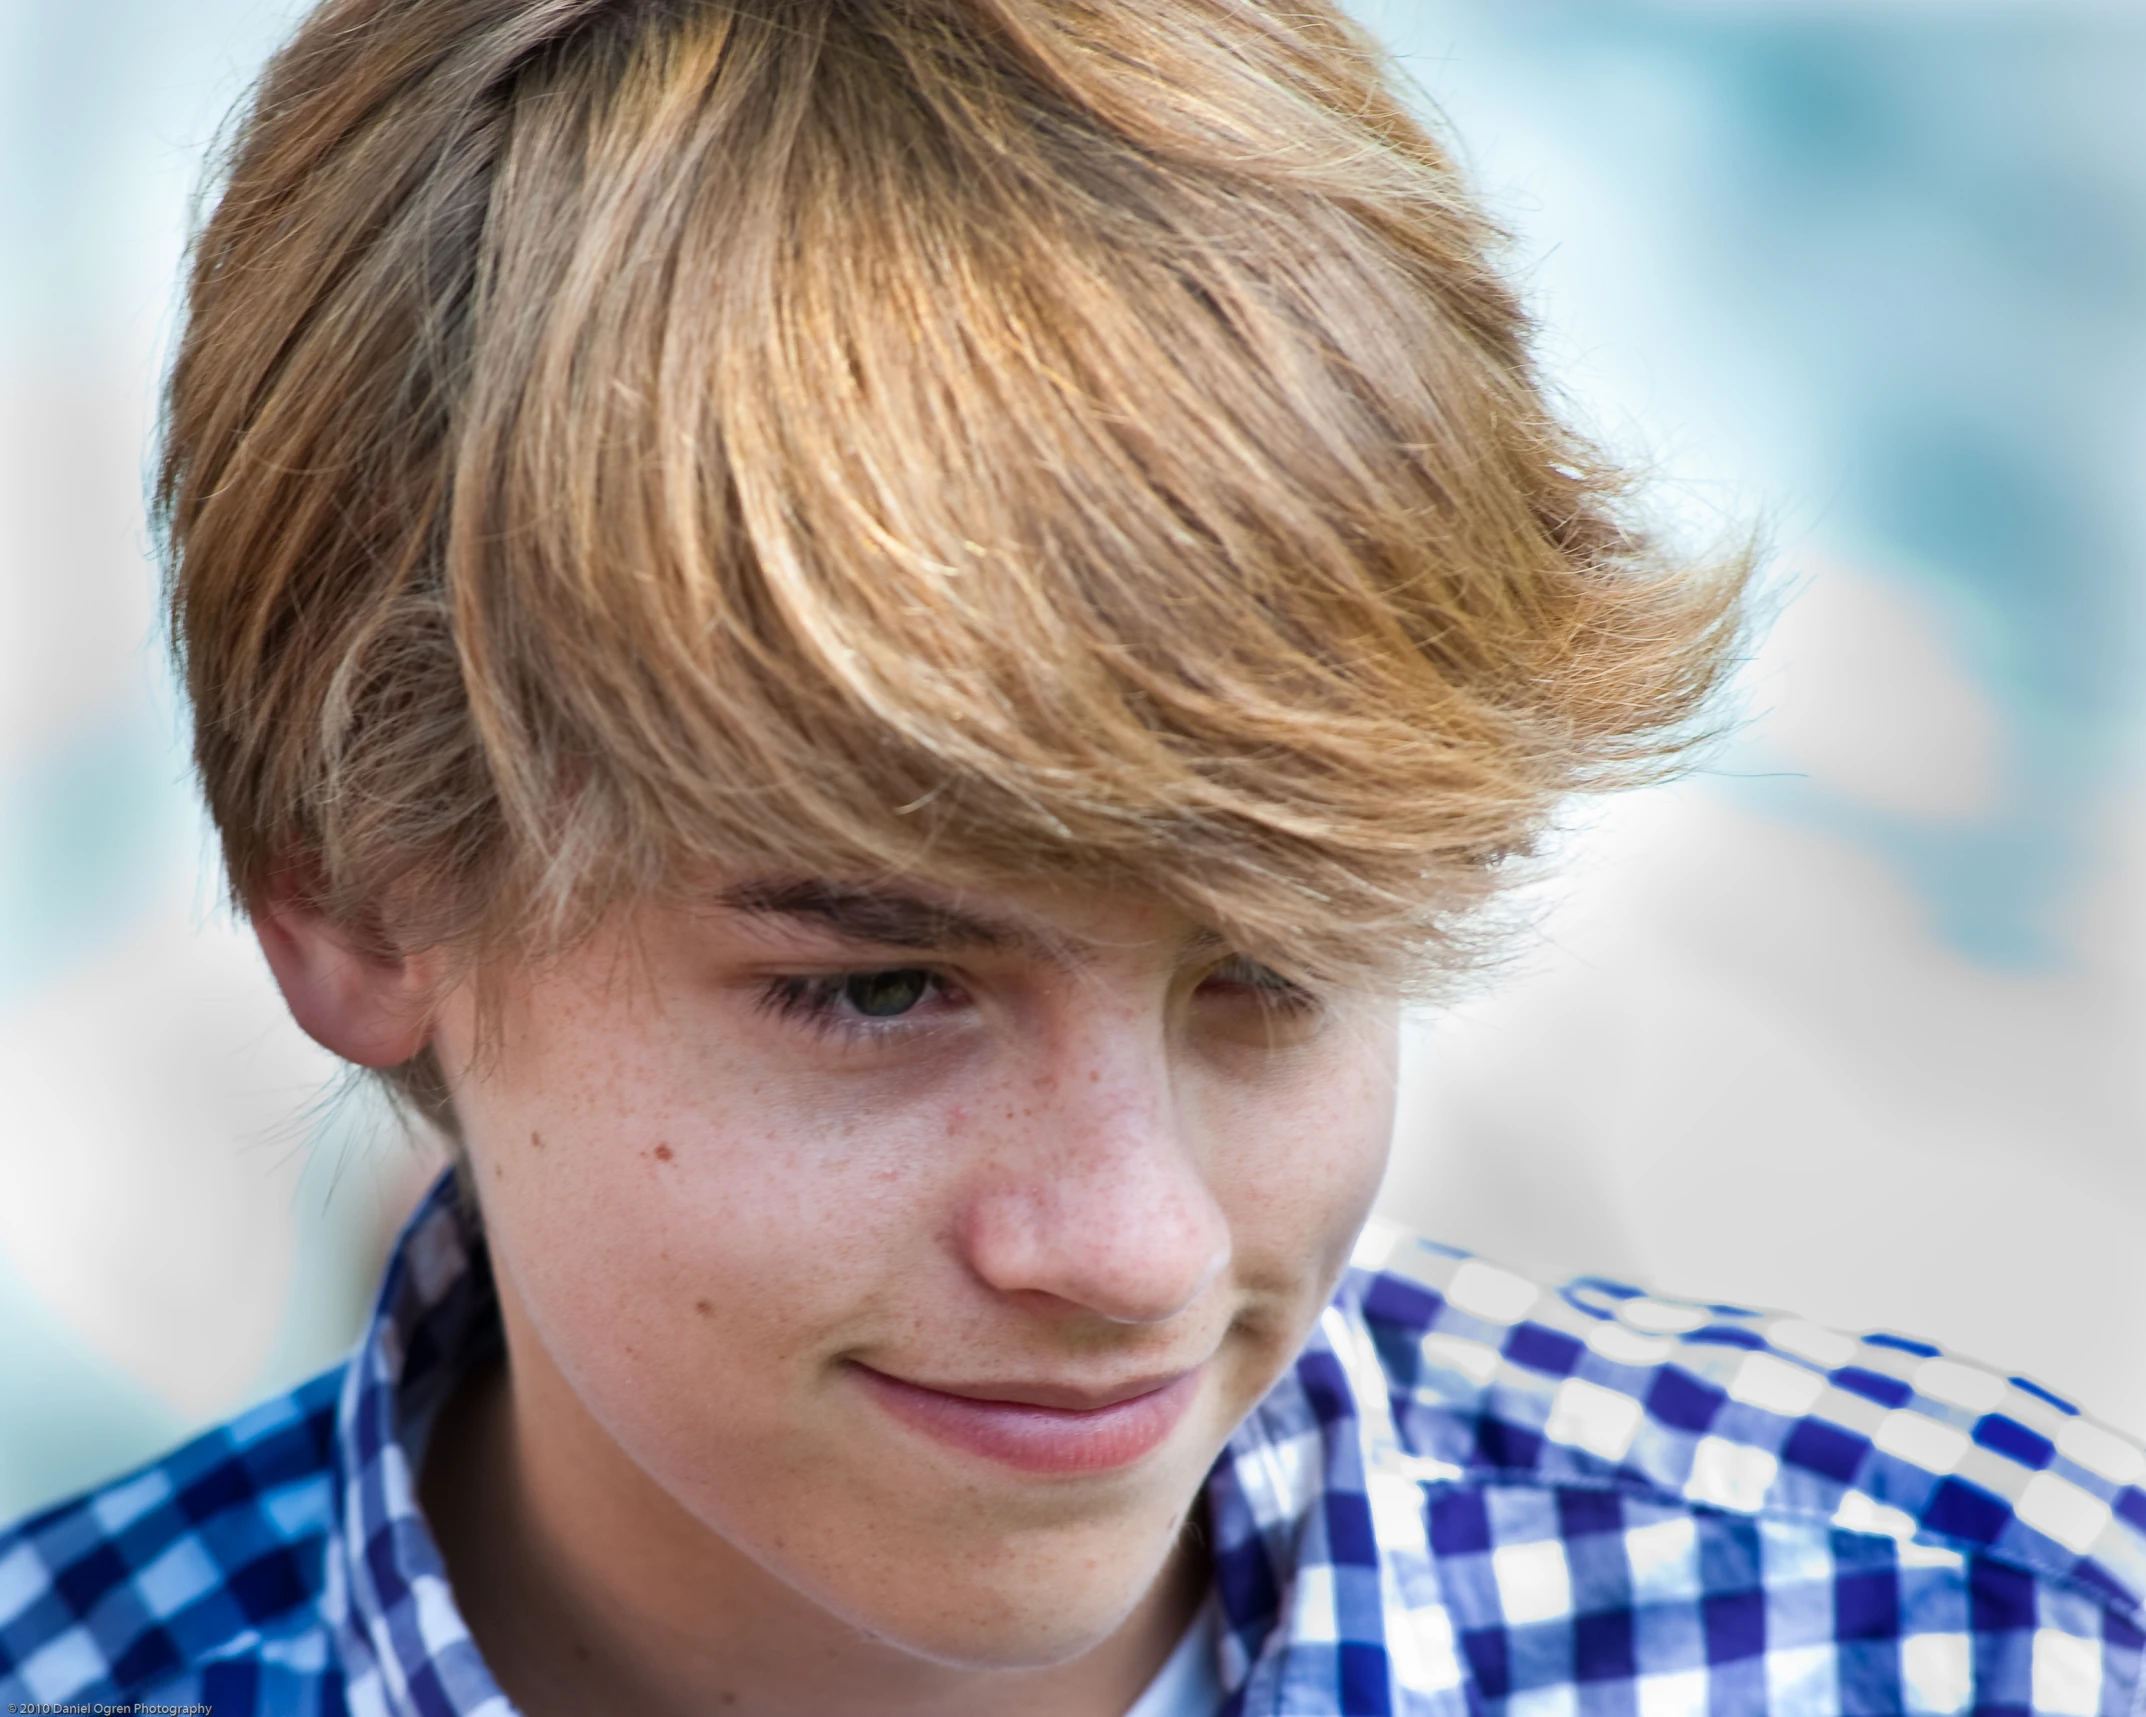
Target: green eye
882 995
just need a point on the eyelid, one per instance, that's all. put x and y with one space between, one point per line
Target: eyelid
1275 991
1243 969
814 1000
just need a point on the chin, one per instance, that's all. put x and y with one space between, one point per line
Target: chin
1016 1611
1001 1635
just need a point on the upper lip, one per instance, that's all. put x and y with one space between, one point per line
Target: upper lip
1064 1397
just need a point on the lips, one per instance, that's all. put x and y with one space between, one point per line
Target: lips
1041 1427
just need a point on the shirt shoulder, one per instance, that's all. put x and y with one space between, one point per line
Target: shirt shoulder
202 1570
1797 1495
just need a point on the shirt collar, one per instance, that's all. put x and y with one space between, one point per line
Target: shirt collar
1314 1511
405 1648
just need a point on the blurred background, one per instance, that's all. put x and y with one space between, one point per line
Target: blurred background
1854 1022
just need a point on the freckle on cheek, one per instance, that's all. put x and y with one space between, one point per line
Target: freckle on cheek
704 1308
536 1139
663 1153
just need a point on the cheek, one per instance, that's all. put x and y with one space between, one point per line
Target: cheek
1297 1160
680 1229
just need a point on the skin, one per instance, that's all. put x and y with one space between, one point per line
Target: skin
728 1198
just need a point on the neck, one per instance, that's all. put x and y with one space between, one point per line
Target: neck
588 1589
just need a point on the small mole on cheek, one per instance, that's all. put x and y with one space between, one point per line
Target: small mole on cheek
536 1139
704 1308
663 1153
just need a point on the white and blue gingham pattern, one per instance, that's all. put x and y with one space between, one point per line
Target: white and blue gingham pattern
1469 1495
1474 1494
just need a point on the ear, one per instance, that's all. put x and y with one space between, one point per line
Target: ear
366 1006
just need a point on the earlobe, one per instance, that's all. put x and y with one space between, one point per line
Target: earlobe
363 1005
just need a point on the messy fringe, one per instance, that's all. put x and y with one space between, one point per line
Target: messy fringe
615 444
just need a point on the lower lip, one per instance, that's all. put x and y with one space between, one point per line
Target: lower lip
1039 1439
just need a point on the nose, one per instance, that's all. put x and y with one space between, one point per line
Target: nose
1095 1198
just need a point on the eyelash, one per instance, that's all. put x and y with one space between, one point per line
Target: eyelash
1274 992
816 1001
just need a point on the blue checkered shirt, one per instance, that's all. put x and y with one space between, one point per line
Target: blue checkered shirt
1469 1495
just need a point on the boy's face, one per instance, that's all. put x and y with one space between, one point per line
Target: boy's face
916 1251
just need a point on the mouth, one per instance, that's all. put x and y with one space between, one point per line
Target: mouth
1041 1427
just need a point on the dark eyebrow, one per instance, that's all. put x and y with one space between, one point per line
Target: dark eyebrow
885 917
896 918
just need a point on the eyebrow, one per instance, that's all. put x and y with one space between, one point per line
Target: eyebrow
896 918
887 917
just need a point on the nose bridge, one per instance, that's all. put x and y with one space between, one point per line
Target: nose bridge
1098 1196
1112 1080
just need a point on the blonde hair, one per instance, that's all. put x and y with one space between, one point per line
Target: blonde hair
615 441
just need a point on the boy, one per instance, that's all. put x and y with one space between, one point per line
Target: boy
861 641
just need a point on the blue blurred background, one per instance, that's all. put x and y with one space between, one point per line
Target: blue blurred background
1853 1022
